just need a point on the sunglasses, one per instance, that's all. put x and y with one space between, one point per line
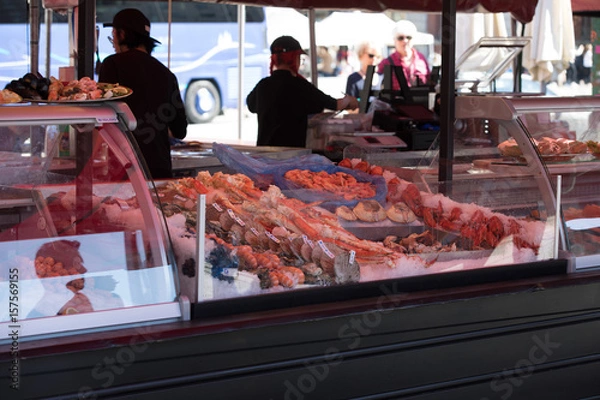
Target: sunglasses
401 38
371 55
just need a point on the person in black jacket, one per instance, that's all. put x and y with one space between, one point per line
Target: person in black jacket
284 100
156 100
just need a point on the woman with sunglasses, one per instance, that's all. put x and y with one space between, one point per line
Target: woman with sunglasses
367 55
413 63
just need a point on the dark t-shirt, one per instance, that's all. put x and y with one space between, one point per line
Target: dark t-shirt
356 83
155 102
283 103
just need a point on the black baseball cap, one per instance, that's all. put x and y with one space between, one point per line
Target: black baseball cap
285 44
133 20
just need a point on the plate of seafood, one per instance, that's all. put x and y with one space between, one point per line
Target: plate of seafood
550 149
84 90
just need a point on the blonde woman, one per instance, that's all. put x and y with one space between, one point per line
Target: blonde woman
367 55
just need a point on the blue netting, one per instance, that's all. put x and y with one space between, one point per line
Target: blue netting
266 171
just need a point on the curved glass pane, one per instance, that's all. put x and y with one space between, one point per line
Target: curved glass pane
80 230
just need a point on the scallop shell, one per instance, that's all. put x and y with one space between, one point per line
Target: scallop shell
370 211
345 213
400 212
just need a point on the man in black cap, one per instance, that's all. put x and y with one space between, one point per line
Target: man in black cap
156 100
284 100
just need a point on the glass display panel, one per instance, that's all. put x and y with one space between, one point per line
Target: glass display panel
567 141
485 61
538 139
80 226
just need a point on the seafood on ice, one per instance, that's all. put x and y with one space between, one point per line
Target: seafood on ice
286 242
267 223
477 227
338 183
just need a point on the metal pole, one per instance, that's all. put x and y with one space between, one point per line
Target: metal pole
313 47
48 23
34 39
447 109
170 20
72 55
200 251
86 38
242 41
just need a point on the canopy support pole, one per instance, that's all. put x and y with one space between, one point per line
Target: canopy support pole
313 47
34 38
48 24
169 25
86 38
447 96
241 49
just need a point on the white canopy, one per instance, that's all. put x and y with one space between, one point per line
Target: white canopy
351 28
470 27
287 21
554 44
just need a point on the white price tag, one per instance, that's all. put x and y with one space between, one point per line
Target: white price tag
325 249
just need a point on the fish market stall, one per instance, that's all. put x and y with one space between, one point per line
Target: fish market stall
281 277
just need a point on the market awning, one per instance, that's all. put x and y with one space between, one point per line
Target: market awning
521 10
586 7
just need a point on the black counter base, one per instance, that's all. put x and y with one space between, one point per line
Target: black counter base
533 338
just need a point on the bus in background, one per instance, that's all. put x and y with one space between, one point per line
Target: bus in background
203 54
15 37
204 49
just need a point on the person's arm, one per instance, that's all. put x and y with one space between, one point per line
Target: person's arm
381 65
178 126
315 100
422 68
347 103
251 101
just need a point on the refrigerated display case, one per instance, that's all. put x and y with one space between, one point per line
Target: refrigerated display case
266 233
554 139
82 240
373 314
510 153
499 210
